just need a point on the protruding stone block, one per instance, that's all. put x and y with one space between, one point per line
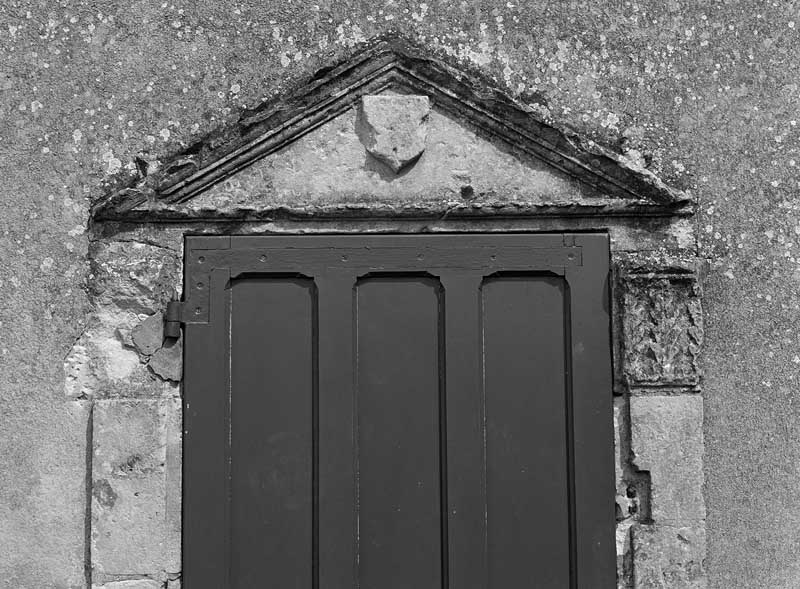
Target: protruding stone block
394 128
136 487
149 334
167 362
667 441
663 331
670 557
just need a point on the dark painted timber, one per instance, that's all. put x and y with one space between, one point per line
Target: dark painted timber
398 411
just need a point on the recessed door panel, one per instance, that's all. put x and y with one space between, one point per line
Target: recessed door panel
526 431
272 432
399 432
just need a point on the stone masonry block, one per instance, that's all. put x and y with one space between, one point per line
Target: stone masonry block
663 331
134 277
136 487
669 557
167 362
132 584
667 441
148 335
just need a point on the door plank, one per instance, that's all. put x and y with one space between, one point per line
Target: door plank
272 435
526 441
399 433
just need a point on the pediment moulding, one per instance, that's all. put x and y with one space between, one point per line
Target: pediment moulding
392 131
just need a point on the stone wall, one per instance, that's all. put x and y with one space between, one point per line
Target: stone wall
704 95
657 420
130 378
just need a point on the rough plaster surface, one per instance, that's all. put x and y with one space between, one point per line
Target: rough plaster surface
705 94
42 490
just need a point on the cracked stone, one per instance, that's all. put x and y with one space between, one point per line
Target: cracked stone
167 362
149 334
394 128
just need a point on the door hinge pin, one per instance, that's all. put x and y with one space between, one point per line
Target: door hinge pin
173 319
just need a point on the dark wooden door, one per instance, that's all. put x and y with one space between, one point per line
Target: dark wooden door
396 412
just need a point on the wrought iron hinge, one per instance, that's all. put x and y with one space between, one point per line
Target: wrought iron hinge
173 319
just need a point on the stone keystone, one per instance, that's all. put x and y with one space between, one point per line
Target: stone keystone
394 128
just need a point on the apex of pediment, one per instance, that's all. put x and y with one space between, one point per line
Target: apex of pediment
389 123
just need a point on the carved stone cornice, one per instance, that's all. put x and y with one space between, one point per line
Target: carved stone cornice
622 188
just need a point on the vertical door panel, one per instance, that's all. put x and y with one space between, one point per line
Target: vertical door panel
526 445
399 433
272 432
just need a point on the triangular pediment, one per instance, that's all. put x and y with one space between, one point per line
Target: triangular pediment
306 153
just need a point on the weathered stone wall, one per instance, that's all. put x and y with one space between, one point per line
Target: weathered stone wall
122 368
658 417
704 94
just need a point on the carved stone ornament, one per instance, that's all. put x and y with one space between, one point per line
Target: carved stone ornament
663 331
394 129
